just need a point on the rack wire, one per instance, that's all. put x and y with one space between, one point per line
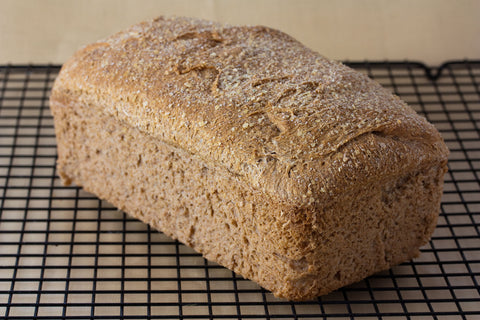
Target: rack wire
64 254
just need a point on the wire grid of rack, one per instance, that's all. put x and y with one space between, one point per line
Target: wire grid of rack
64 254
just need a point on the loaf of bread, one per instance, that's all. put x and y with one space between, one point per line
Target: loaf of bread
290 169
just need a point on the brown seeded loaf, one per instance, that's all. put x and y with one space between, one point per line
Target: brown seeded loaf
293 170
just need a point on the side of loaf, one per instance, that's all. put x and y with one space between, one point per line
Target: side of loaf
288 168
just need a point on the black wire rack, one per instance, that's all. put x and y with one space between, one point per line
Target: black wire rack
65 254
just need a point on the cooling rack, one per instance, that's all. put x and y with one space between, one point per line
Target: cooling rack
64 254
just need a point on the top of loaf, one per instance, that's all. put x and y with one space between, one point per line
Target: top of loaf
253 101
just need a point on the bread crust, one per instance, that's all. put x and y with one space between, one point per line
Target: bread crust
327 176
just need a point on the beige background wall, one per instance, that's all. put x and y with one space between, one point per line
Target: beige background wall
34 31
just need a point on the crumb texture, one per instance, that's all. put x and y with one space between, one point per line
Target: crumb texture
290 169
